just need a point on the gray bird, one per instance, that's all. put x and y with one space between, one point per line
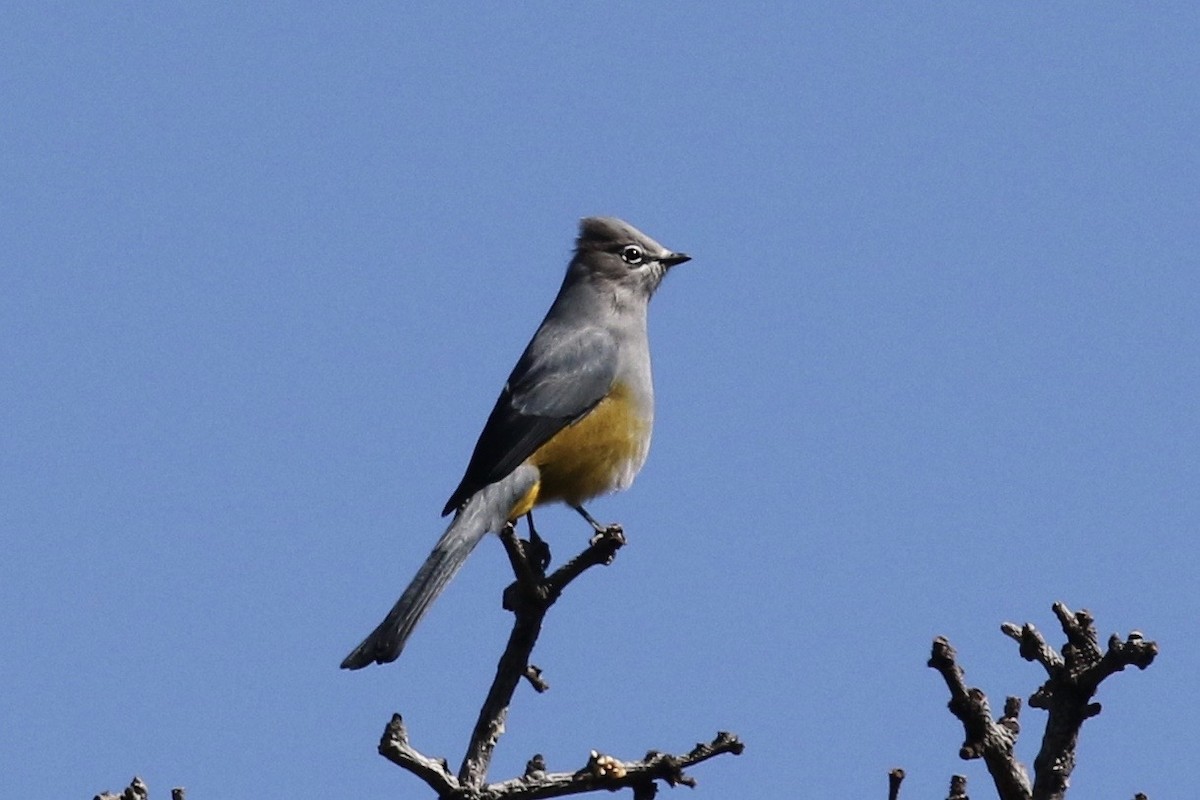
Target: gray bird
572 422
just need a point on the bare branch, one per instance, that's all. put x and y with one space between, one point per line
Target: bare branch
1074 676
603 772
394 746
1033 646
137 790
895 778
991 741
529 598
1067 694
533 674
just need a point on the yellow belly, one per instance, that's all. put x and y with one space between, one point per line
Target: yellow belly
598 454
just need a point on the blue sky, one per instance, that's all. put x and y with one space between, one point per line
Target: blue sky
935 366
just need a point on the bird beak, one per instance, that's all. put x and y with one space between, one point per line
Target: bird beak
671 259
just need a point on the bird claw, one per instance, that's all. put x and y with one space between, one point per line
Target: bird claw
613 531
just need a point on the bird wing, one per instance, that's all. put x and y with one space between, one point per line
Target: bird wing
559 378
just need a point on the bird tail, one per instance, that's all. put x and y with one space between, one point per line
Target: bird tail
485 512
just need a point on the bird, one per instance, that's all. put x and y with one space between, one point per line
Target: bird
572 422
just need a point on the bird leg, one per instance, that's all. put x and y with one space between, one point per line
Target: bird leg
538 549
600 530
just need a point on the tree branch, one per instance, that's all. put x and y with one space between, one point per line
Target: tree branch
530 598
1073 680
958 788
137 790
606 773
1074 676
991 741
394 746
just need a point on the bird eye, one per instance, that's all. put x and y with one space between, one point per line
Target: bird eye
632 254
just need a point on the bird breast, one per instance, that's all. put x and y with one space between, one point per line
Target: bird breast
599 453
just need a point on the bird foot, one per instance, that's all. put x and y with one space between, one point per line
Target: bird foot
613 531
